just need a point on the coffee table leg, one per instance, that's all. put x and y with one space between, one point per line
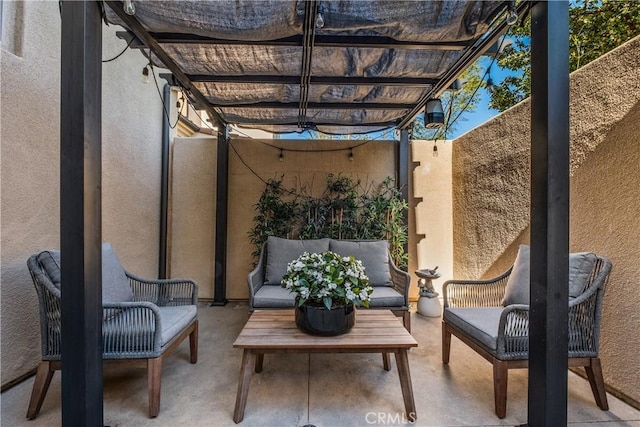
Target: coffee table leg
386 361
402 361
259 361
248 363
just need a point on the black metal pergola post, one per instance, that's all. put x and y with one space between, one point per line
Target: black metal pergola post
222 189
548 364
402 169
80 213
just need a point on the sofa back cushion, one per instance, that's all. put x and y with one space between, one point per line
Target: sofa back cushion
581 265
374 255
280 252
115 283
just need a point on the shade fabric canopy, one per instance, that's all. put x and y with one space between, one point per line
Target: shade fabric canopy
348 66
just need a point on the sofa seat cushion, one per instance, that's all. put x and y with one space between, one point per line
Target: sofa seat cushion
383 296
480 323
272 296
374 255
280 252
581 265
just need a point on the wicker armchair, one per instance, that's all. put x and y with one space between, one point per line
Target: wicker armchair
142 319
474 311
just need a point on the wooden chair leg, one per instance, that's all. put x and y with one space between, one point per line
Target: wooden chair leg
44 374
500 380
193 344
446 343
596 380
154 368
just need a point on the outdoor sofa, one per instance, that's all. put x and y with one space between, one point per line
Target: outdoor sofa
390 284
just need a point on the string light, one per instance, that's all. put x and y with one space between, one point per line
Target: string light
129 7
435 149
281 155
145 74
351 154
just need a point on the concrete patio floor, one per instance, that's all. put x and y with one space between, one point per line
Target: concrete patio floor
321 389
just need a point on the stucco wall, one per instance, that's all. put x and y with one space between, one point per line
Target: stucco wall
433 212
371 164
491 196
131 129
193 211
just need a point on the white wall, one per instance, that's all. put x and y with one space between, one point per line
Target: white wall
30 116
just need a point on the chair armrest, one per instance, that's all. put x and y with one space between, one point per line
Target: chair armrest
475 293
131 329
164 292
400 280
513 333
255 279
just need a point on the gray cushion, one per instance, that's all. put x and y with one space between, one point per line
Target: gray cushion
373 254
517 291
383 296
174 319
480 323
274 297
281 252
115 283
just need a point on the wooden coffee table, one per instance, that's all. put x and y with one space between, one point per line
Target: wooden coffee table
274 331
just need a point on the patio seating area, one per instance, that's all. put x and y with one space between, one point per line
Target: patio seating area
317 389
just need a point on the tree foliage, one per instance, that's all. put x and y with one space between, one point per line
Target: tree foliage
595 28
454 102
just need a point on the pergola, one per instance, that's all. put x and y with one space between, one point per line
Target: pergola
338 67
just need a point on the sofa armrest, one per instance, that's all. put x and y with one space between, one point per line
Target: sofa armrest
513 333
255 279
475 293
164 292
400 280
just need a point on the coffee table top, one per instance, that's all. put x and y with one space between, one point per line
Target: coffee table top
276 329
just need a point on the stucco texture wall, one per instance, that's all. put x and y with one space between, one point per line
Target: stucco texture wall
433 210
491 189
30 117
193 211
371 164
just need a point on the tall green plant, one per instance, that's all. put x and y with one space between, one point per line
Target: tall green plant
345 210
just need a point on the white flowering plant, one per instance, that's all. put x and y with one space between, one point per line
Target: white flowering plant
328 279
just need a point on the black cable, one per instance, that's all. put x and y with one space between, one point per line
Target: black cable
120 54
164 109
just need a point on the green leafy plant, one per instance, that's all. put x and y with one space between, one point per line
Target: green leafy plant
328 279
345 210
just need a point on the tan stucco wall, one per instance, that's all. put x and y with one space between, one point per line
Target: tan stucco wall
193 211
131 129
491 196
372 163
434 217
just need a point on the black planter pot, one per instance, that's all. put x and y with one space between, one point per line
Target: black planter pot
321 321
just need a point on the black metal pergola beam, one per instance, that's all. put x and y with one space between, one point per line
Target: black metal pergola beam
80 213
148 41
471 55
318 80
337 41
548 334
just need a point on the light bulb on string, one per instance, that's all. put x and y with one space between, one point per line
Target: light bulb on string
281 158
351 154
145 74
129 7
